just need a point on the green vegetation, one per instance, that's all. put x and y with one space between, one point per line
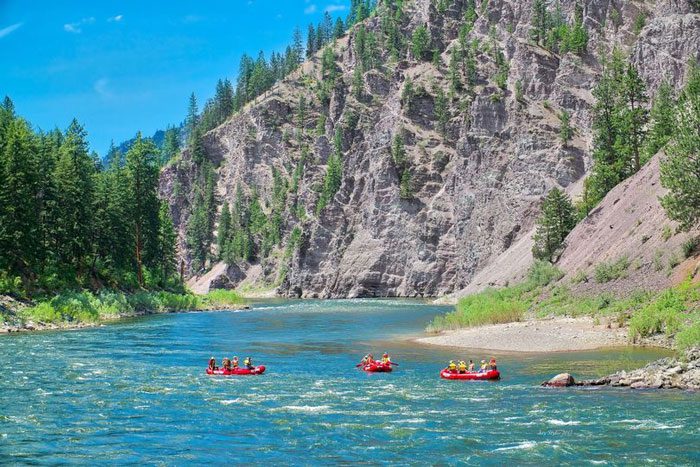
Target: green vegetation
690 246
420 41
680 170
494 306
566 132
551 30
334 173
557 220
87 307
68 222
609 271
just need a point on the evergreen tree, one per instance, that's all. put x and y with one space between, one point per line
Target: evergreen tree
166 244
334 173
310 41
632 121
144 212
680 170
420 41
297 51
540 21
662 119
224 231
565 130
75 178
19 206
405 189
338 29
171 145
442 112
192 118
557 220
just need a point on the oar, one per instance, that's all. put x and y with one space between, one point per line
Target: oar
392 363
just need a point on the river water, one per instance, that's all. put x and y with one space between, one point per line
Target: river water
136 392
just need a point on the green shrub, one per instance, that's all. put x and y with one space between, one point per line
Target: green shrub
666 233
660 315
543 273
221 298
488 307
10 285
579 277
606 272
689 337
690 246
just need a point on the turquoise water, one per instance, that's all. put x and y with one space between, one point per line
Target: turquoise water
136 392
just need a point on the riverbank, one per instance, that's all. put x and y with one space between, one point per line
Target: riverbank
82 309
560 334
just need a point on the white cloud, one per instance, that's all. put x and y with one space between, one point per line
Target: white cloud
77 27
334 7
10 29
101 88
115 19
310 9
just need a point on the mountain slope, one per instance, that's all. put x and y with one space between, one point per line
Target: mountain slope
479 164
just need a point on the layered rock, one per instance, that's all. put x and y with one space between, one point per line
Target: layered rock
477 185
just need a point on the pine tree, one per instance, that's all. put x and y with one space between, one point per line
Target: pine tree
75 179
310 41
442 112
166 244
539 22
338 29
405 189
142 176
420 41
632 121
557 220
565 130
19 206
662 119
224 231
398 152
680 170
297 50
171 145
192 118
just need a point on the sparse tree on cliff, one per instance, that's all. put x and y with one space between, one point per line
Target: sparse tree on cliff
558 218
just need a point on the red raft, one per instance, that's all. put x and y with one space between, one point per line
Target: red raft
258 370
471 375
377 367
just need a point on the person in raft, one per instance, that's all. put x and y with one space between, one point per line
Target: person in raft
248 362
483 368
234 362
212 364
452 366
492 364
226 363
386 358
471 366
462 366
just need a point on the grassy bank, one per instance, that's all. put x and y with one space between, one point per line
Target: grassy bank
85 307
675 312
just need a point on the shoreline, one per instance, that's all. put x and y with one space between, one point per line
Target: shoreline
31 326
561 334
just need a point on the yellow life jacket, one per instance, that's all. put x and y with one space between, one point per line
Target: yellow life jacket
462 366
452 366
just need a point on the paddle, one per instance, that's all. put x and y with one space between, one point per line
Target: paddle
392 363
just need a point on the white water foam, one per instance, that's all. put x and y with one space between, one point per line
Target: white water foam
556 422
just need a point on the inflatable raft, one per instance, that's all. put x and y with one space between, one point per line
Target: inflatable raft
377 367
258 370
471 375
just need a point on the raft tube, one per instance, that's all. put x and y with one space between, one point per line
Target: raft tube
258 370
377 367
470 375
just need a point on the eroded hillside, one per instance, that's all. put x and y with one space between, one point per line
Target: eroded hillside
480 135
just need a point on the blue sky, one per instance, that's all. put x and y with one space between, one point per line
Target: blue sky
124 66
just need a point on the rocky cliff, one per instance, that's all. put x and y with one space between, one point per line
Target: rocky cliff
479 164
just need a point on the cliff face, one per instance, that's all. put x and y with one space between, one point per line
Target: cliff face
476 182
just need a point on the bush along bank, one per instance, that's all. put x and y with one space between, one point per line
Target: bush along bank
669 318
74 309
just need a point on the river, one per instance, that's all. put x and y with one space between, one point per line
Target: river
136 392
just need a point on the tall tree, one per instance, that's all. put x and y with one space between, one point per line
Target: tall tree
662 121
680 170
557 220
75 179
142 174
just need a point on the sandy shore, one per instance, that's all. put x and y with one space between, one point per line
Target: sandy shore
552 335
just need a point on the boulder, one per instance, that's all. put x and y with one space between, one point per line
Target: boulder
560 381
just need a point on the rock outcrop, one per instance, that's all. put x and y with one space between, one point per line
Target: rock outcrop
667 373
477 180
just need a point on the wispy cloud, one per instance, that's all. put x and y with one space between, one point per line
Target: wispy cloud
310 9
101 87
334 7
10 29
77 27
115 19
